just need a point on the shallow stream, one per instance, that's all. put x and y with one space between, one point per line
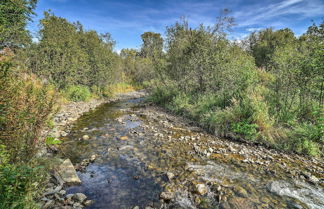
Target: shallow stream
136 149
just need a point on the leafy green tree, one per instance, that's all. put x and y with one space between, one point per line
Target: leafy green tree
58 57
263 44
14 15
152 45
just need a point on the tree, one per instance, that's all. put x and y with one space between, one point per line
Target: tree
263 44
152 45
14 15
58 56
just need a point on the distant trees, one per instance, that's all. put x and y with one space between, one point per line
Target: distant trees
14 15
67 55
138 65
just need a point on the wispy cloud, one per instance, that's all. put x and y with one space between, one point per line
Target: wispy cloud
262 14
127 19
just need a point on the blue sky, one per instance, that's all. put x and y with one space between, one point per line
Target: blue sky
126 20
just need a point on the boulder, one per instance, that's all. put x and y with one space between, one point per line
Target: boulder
67 172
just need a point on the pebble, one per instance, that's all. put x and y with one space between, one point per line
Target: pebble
166 196
170 176
80 197
85 137
201 189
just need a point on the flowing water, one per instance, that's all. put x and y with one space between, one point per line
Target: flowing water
135 150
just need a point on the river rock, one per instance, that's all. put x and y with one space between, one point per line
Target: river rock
313 179
93 158
88 202
277 187
123 138
49 204
67 172
170 176
238 203
79 197
201 189
166 195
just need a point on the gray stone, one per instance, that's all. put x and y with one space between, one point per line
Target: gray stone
67 172
170 176
88 202
77 205
79 197
49 204
313 179
166 196
62 192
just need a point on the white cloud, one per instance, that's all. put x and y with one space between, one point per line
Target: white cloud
253 29
262 14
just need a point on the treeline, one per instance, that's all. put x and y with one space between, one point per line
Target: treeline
67 55
267 89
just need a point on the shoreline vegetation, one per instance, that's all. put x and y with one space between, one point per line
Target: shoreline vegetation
266 89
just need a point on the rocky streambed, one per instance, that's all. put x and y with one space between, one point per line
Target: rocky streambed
129 154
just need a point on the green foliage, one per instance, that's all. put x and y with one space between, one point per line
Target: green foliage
263 44
67 55
246 129
216 83
19 183
14 15
77 93
152 45
52 141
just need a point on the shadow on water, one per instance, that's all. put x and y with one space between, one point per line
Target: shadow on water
116 179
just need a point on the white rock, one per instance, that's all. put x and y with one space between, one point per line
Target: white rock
93 158
166 196
170 176
85 137
201 189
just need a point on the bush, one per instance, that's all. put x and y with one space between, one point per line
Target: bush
25 104
77 93
19 183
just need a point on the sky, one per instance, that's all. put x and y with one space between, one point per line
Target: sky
126 20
